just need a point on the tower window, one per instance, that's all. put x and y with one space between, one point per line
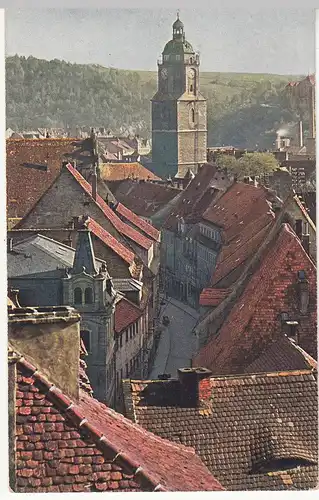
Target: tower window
193 114
78 296
86 339
191 88
88 296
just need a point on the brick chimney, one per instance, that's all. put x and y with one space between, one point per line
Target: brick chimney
189 379
49 337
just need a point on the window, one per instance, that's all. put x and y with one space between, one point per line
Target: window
121 339
193 110
131 364
126 370
78 296
86 339
126 335
88 296
131 331
178 57
137 327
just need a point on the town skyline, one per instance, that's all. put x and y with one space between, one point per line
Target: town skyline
264 39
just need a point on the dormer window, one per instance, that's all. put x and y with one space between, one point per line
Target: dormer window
78 296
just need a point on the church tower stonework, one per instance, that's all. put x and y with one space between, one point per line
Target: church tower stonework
179 111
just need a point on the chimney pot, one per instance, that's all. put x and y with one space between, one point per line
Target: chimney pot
189 379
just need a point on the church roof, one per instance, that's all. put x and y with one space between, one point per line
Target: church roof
178 47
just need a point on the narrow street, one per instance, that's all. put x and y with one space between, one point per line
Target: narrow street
177 341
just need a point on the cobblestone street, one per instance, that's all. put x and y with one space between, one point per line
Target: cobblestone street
177 341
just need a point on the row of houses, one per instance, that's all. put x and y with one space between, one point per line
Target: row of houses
73 244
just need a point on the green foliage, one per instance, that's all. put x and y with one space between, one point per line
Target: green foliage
243 110
250 164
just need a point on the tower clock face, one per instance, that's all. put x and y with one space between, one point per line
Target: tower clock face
164 73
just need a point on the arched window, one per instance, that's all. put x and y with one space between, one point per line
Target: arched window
193 115
88 296
78 296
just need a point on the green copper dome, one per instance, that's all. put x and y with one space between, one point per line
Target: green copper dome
178 24
178 47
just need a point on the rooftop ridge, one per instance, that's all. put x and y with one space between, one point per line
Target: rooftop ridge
121 226
66 405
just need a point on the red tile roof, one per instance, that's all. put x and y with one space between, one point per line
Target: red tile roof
254 319
141 224
120 171
213 296
25 185
240 205
126 313
144 198
242 246
110 241
123 228
64 445
281 355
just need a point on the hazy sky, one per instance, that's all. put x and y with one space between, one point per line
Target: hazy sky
260 41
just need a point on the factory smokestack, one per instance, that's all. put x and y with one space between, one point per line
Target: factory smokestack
278 141
300 134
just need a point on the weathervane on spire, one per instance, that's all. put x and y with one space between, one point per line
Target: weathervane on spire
177 13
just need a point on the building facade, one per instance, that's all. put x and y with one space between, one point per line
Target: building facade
179 111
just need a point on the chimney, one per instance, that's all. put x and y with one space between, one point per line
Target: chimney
300 134
49 337
189 379
94 183
278 142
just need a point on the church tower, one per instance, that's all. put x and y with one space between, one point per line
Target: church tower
179 111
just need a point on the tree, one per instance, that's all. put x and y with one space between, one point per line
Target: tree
250 164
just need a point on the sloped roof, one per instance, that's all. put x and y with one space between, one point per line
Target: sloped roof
123 228
254 319
141 224
242 246
213 296
65 445
125 314
26 184
110 241
38 254
281 355
304 211
119 171
240 205
144 198
242 423
192 195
